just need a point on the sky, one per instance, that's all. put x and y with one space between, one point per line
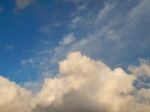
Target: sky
44 43
36 34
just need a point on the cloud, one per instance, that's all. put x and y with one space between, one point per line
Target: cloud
68 39
143 69
27 61
142 72
76 2
21 4
1 9
112 28
9 47
86 85
76 21
13 97
83 85
140 10
105 11
82 7
112 32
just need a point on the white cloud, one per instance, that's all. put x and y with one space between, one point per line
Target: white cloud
83 85
89 45
105 11
68 42
21 4
112 37
13 98
88 85
76 21
82 7
141 9
76 2
28 61
68 39
142 70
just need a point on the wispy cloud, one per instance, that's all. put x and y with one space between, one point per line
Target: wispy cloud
68 39
76 21
21 4
140 10
1 9
115 33
108 8
9 47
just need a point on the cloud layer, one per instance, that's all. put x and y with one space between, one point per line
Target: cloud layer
84 85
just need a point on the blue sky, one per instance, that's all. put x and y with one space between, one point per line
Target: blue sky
36 34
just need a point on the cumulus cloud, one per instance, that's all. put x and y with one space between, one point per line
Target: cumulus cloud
142 70
13 98
83 85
